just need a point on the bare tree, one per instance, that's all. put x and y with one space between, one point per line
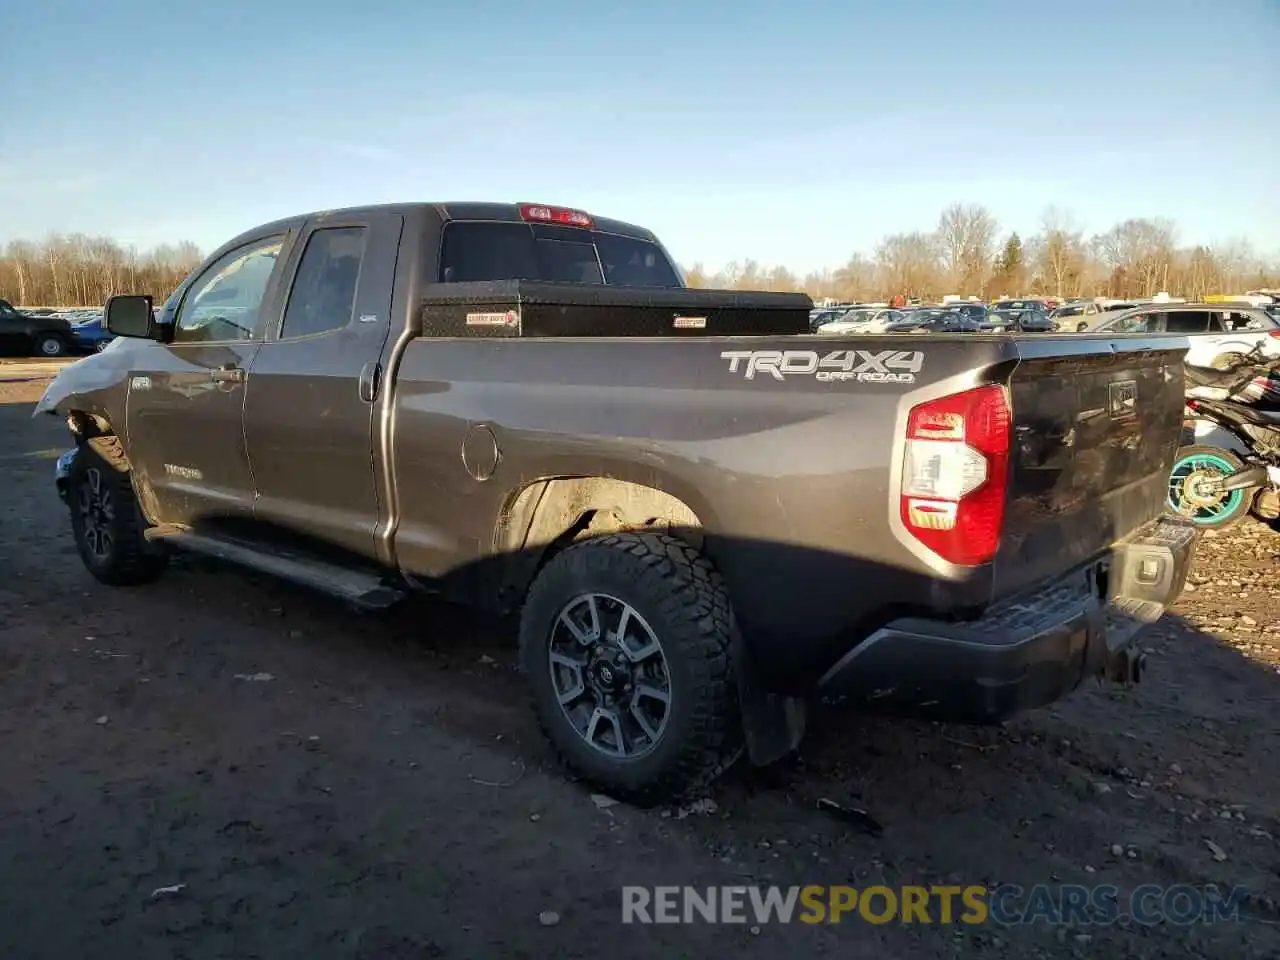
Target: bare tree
966 238
1058 255
1139 253
858 279
910 264
80 271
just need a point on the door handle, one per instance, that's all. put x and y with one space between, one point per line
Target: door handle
370 375
228 374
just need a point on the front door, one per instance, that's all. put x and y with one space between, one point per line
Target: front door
185 430
309 411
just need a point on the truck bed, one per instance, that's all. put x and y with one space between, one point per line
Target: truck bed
789 450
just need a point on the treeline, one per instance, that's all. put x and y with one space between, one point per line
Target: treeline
967 253
80 271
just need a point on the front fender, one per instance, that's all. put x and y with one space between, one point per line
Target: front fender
96 385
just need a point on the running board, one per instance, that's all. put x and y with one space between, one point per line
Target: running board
361 588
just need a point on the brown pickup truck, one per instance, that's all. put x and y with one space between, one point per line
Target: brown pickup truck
702 514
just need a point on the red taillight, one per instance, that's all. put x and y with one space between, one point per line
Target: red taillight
1273 333
563 215
1193 403
954 474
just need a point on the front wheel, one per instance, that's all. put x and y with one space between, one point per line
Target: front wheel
105 518
625 641
1190 494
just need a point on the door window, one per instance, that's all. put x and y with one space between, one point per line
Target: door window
1137 323
224 302
1243 321
1190 321
324 290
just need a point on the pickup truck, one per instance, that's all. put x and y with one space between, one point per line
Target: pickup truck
702 515
30 334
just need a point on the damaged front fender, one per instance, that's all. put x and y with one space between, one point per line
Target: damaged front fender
98 386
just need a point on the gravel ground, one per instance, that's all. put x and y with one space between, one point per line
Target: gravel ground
326 784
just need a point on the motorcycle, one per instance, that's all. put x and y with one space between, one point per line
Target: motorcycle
1229 465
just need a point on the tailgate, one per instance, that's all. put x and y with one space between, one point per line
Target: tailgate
1096 424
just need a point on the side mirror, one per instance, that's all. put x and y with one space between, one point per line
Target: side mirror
130 316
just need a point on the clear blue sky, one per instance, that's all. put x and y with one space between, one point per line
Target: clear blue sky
790 132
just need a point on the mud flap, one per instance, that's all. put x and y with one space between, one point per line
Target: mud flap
772 724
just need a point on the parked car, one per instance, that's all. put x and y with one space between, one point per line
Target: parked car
674 489
974 311
1020 316
31 335
91 334
859 320
1073 313
1094 314
1215 332
818 317
933 320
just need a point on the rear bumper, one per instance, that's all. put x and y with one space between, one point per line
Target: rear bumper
1026 652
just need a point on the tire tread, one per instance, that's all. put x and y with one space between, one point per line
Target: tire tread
684 589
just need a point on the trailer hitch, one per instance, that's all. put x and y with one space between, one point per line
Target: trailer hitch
1125 667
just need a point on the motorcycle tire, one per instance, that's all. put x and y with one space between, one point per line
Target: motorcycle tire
1210 514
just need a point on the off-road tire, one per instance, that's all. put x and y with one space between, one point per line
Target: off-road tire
131 559
684 600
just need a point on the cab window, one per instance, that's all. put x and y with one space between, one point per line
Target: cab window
324 290
224 302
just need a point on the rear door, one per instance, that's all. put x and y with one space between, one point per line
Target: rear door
309 415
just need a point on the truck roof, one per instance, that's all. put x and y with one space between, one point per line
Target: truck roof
451 210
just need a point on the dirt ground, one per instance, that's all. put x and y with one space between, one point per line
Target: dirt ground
385 794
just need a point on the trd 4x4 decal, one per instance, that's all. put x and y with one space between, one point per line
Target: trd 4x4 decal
838 366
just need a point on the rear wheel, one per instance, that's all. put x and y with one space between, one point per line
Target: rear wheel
50 345
105 518
625 640
1194 469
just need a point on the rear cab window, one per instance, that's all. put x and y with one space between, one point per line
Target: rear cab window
475 251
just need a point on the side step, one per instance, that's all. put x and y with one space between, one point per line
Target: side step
364 589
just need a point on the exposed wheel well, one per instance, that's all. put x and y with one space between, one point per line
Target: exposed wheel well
546 516
96 431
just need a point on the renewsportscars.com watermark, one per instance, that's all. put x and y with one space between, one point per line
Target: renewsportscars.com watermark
1007 904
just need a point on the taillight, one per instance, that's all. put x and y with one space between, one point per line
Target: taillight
562 215
954 474
1273 333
